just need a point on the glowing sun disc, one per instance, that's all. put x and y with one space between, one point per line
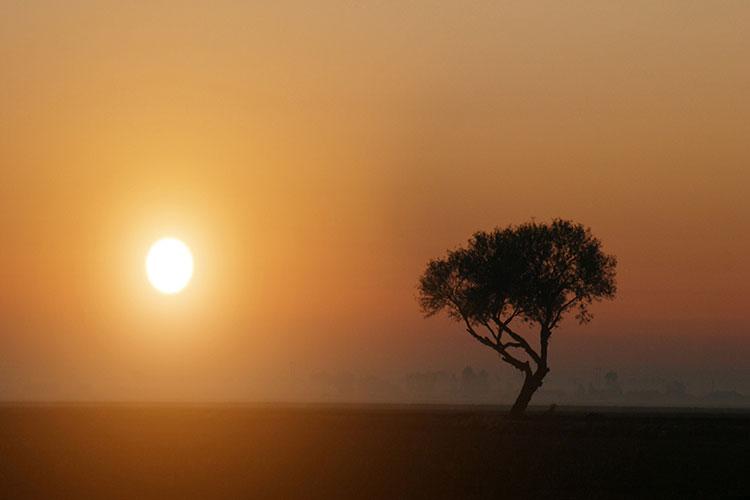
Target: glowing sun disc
169 265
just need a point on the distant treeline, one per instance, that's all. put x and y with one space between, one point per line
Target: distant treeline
472 385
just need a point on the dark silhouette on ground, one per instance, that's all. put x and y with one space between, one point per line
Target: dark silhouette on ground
533 273
344 451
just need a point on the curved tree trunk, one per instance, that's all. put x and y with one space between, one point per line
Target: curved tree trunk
531 383
533 379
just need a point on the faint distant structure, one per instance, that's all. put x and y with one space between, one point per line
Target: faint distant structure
612 384
610 390
431 386
533 273
676 390
421 384
580 392
722 397
372 387
474 384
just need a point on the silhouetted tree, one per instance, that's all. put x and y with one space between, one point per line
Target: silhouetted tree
676 389
474 384
612 384
533 273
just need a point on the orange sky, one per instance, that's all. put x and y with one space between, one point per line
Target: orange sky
315 157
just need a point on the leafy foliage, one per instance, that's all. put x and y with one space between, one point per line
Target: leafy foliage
534 273
539 271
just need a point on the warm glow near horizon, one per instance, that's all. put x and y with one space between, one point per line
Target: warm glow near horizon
314 156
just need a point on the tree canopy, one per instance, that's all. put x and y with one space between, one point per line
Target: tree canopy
534 273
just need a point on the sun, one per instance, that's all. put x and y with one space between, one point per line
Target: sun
169 265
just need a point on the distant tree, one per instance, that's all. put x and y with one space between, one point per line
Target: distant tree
474 384
612 384
533 273
676 389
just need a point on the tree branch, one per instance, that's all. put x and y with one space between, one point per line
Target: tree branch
503 324
544 336
563 308
515 362
524 344
495 336
481 338
499 347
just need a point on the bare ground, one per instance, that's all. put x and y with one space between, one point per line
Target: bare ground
224 451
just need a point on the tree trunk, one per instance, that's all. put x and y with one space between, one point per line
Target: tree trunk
531 383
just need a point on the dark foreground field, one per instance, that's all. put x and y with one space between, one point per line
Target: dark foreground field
170 451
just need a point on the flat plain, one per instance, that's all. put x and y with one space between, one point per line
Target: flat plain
339 451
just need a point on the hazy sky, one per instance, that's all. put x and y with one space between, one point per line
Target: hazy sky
315 155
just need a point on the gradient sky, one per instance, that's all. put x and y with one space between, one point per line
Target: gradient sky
314 157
